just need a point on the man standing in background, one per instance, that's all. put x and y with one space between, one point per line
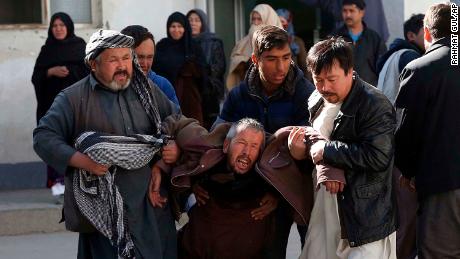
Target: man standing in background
367 44
428 143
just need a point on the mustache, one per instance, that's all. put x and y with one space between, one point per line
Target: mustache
327 93
121 72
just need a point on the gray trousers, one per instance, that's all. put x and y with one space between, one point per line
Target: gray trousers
438 226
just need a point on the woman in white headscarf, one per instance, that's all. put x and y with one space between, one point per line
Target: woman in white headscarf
262 14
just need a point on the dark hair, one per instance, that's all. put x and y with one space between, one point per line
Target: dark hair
359 3
139 33
437 20
323 54
267 38
413 24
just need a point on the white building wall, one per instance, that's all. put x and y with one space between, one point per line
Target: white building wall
398 11
417 6
394 14
18 51
20 47
151 14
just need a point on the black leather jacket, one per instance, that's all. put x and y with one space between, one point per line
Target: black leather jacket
362 143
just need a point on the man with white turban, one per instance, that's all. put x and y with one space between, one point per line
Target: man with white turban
116 98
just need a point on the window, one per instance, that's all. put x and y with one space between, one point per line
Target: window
24 12
20 11
80 10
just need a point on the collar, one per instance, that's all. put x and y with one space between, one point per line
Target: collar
343 31
445 41
255 85
151 73
355 37
93 81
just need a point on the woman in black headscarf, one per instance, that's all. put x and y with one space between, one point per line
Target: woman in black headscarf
180 60
59 65
213 51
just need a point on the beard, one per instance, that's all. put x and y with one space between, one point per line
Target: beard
116 86
242 165
330 97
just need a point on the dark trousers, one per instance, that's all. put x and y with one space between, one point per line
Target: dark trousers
95 246
283 222
407 208
438 226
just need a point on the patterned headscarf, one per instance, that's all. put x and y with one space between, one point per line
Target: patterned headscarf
286 14
98 197
108 39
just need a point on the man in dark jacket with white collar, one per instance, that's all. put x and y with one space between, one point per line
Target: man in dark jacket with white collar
355 218
427 142
367 44
390 66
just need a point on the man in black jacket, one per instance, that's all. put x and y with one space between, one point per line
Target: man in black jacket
428 143
390 66
367 44
356 123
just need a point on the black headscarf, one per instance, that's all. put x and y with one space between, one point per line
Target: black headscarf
212 49
206 36
65 18
172 54
203 19
68 52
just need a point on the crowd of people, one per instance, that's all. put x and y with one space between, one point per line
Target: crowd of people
355 144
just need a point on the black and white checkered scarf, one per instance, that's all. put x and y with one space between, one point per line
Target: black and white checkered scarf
98 197
108 39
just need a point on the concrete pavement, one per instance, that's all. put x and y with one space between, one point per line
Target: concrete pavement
29 228
29 211
63 245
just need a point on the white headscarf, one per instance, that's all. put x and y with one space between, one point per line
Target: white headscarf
243 49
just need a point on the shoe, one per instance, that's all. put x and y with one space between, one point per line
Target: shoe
57 189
